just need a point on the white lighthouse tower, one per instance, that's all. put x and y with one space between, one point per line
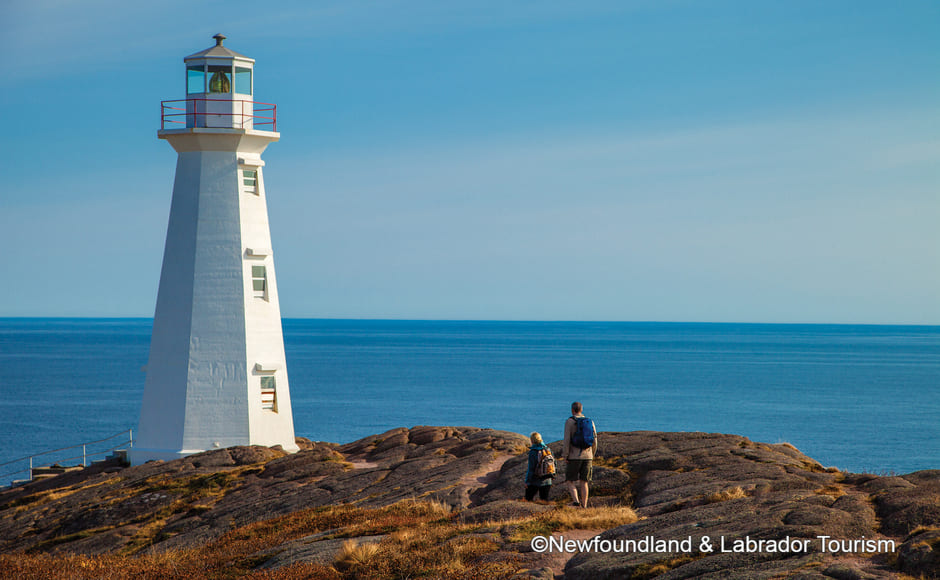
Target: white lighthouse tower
217 375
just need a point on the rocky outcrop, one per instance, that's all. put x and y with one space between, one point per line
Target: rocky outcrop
189 501
751 510
710 490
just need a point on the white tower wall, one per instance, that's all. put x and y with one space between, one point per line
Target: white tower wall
217 374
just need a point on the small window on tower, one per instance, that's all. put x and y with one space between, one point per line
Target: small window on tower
269 393
250 180
259 282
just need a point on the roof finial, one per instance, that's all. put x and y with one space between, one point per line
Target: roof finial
218 39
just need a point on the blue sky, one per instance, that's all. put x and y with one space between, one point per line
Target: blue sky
635 160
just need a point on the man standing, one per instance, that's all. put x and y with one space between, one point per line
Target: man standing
580 444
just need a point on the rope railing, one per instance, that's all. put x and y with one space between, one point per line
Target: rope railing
86 455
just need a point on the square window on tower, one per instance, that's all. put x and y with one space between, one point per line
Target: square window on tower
269 393
250 180
259 282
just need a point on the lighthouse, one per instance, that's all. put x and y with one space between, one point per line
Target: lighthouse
217 375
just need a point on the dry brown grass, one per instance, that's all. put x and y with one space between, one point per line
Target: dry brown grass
547 523
831 490
421 539
44 497
593 518
649 571
429 508
434 551
174 565
354 555
726 494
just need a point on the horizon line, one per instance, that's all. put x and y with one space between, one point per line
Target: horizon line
510 320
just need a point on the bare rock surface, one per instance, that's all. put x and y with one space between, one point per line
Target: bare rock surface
693 486
190 501
319 548
684 486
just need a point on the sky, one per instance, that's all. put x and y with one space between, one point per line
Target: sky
637 160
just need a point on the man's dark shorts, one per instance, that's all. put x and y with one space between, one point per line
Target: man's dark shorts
579 469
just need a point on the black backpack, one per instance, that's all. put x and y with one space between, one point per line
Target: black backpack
583 436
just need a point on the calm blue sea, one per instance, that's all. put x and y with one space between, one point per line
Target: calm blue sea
862 398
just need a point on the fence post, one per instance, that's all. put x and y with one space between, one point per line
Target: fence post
84 460
30 467
131 432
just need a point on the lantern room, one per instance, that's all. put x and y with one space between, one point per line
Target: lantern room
218 72
219 93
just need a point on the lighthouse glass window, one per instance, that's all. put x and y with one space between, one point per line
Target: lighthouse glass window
269 393
259 282
220 79
243 80
195 80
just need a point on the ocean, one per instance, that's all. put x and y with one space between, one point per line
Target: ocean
860 398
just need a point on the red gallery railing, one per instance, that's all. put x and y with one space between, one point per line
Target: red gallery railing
183 113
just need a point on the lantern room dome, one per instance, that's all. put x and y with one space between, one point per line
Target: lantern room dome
218 51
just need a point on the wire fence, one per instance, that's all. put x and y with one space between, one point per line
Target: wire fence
73 456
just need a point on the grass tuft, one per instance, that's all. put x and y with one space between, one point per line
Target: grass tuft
831 490
726 494
649 571
547 523
354 555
